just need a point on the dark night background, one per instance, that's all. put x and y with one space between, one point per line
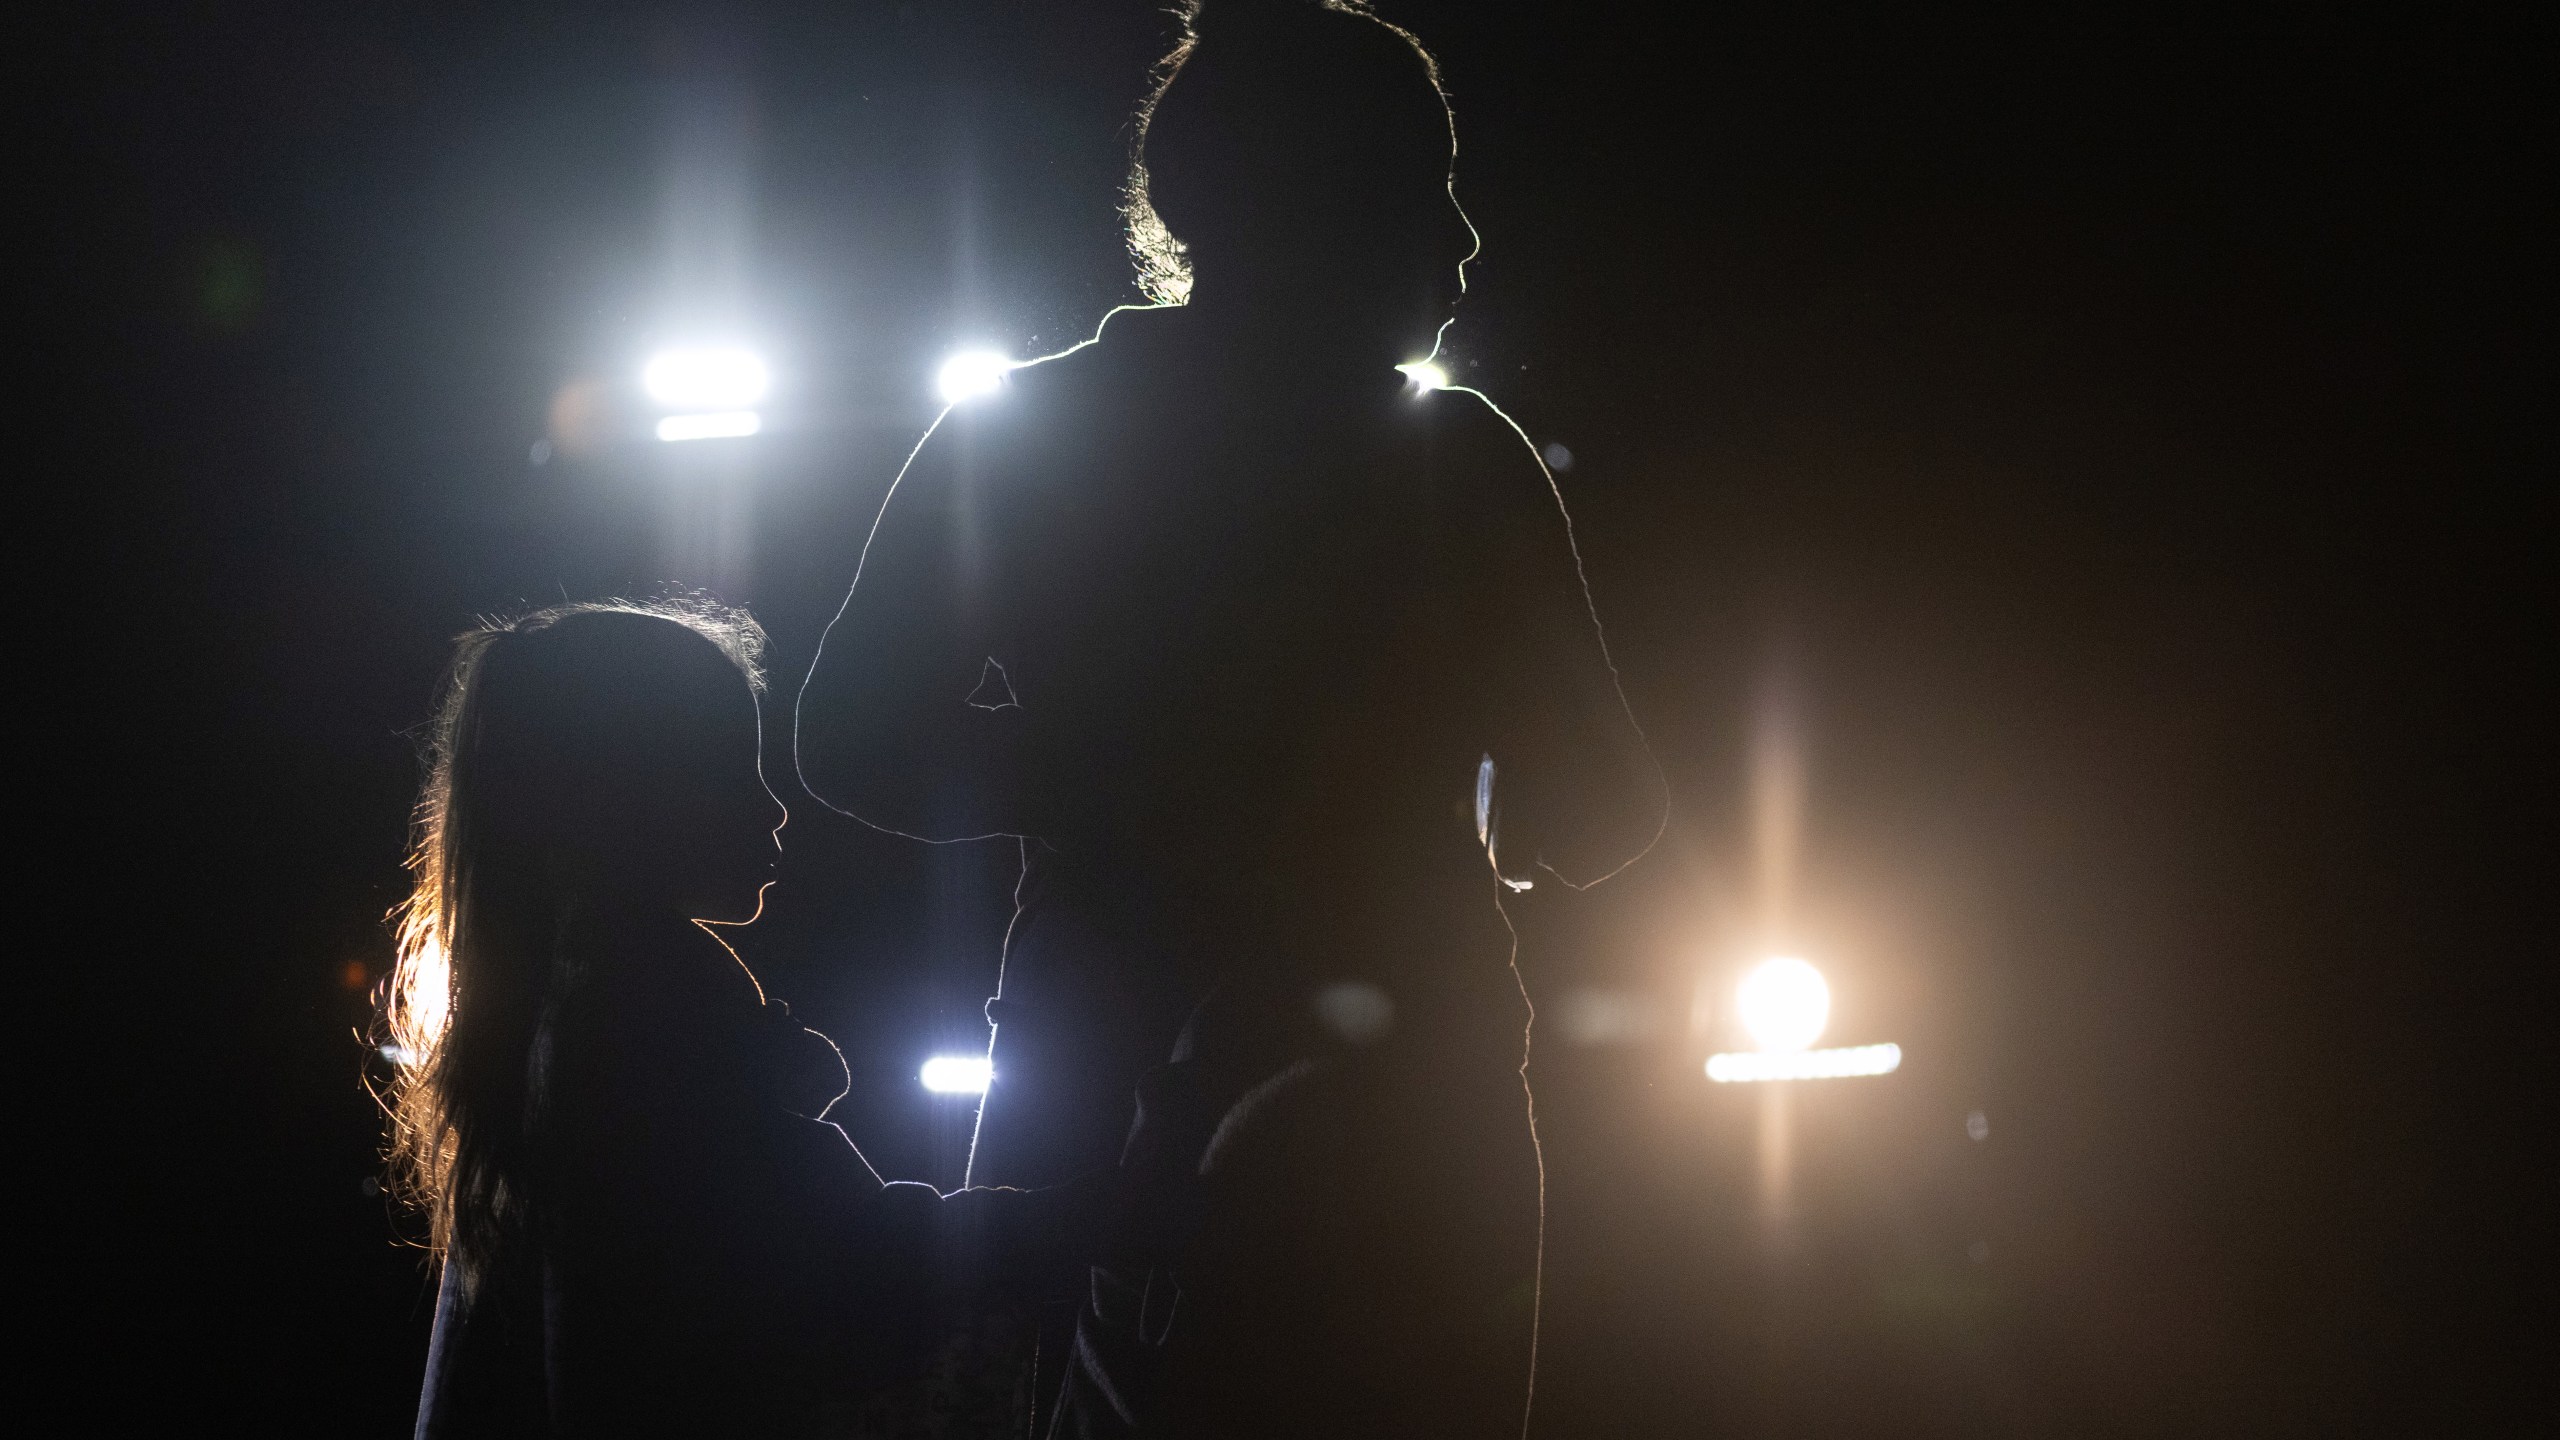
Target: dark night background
2125 433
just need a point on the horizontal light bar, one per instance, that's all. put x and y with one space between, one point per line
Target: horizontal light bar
720 425
957 1075
1804 1064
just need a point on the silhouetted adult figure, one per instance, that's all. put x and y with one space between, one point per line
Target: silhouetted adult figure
1285 664
643 1227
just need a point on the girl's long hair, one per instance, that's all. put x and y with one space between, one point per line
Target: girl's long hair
479 952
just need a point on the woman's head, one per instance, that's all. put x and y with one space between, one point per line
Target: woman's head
591 762
1300 150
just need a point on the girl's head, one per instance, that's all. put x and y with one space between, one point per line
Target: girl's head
608 753
1298 151
587 763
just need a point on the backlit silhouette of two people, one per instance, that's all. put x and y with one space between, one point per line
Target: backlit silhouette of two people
1280 672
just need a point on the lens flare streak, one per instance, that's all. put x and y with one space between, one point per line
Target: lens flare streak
725 425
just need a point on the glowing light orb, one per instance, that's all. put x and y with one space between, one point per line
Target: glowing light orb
1785 1003
727 378
723 425
970 375
957 1074
1425 374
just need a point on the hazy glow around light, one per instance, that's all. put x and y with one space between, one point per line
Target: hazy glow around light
1425 374
1750 1065
1785 1003
722 425
721 379
971 374
957 1074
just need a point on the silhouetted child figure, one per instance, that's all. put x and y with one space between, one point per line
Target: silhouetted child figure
1286 663
644 1227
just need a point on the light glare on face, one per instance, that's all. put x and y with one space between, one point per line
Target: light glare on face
971 374
725 378
1785 1003
957 1075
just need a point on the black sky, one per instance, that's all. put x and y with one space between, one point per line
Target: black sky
2125 434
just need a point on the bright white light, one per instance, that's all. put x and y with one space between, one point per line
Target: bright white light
721 426
957 1074
1425 374
1785 1003
970 374
721 379
1804 1064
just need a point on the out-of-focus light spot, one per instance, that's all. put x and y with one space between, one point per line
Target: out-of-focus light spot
1749 1065
540 454
727 378
957 1074
1356 1010
1784 1003
1558 458
1978 1125
400 1055
970 375
353 975
1606 1017
580 416
230 281
722 425
1425 374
